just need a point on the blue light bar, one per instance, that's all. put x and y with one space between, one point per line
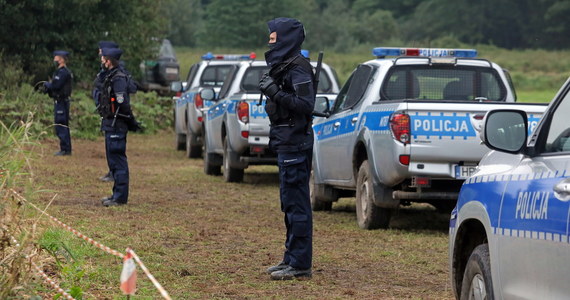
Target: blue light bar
210 56
426 52
305 53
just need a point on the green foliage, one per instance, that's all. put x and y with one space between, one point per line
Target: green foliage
69 253
30 30
16 104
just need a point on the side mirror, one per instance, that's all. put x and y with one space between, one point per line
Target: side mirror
176 86
505 130
322 107
208 94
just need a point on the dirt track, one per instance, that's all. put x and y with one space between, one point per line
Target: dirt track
204 238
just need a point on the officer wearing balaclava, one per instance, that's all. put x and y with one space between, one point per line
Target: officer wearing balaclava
289 88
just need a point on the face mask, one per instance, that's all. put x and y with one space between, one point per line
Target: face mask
103 66
55 63
271 46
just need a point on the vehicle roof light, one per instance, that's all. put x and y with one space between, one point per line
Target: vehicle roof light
381 52
210 56
305 53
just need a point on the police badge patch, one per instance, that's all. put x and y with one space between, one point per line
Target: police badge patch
120 98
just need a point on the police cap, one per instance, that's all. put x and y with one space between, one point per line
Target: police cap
107 44
61 53
112 52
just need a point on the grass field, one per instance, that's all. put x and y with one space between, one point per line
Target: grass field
207 239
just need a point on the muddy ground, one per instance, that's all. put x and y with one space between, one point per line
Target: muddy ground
204 238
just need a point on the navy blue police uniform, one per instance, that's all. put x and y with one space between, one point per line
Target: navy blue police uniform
116 114
60 90
291 98
97 92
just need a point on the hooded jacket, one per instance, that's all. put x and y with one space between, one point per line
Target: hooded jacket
296 99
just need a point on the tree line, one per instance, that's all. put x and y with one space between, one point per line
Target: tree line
31 29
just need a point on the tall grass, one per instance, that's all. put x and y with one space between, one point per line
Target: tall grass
14 140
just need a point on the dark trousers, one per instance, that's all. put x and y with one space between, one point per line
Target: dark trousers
294 172
61 121
107 156
116 142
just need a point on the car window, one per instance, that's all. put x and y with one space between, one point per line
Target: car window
213 76
192 74
325 85
228 80
355 87
442 82
558 138
251 77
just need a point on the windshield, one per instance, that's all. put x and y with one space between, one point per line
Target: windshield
442 82
250 81
166 50
214 76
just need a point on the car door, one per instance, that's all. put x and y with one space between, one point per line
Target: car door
533 244
337 135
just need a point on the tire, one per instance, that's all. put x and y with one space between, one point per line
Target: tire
477 282
317 203
230 174
368 215
210 165
193 149
180 142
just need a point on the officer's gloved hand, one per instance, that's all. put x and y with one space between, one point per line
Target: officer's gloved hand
268 87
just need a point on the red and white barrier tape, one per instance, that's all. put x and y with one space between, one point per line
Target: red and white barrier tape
39 271
52 283
159 287
91 241
70 229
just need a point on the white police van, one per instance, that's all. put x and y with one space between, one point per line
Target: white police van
237 127
188 104
509 233
404 129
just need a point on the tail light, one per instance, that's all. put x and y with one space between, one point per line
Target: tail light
198 101
178 94
404 159
400 126
243 111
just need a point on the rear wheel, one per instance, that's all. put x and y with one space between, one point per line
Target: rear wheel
210 159
231 174
317 201
477 283
368 215
180 142
193 148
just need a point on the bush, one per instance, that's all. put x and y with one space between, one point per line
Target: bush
154 112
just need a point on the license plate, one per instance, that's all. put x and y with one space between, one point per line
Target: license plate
464 172
171 71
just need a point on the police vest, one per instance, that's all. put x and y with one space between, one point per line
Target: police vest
107 103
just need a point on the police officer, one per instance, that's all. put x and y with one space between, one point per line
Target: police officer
115 110
98 91
60 90
290 92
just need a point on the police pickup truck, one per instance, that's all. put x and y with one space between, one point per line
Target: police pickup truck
237 126
405 129
509 234
188 106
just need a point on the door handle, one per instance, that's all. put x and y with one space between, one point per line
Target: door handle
562 190
354 120
336 124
